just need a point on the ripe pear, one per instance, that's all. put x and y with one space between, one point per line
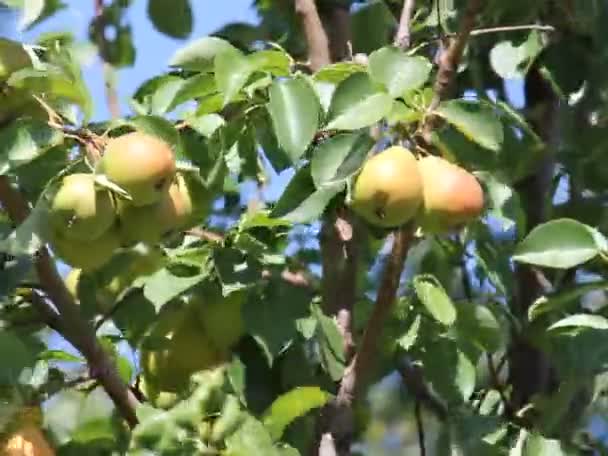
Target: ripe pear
85 255
142 164
452 195
23 436
79 210
221 317
105 296
12 58
177 348
150 223
388 190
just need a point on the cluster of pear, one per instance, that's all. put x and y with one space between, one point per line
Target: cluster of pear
189 337
88 222
394 187
24 436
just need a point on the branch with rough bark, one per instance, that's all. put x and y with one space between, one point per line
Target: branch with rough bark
403 36
316 37
67 320
340 426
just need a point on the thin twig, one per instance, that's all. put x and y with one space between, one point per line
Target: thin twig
450 58
420 428
513 28
403 37
412 378
108 72
70 324
316 37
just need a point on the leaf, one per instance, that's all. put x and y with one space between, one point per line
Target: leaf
271 319
503 202
162 286
509 61
562 299
337 72
537 445
32 10
199 54
561 243
15 356
250 439
294 109
55 83
434 297
331 343
300 202
449 370
356 103
273 61
24 140
581 321
29 236
171 17
339 157
476 120
292 405
398 72
408 339
477 324
232 70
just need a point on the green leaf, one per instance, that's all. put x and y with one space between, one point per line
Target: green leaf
162 286
292 405
300 202
503 202
536 445
339 157
477 324
331 343
449 370
54 83
199 54
561 243
356 103
476 120
31 11
29 236
408 339
232 70
25 140
294 109
270 321
434 297
250 439
581 321
337 72
398 72
15 356
171 17
564 298
510 61
273 61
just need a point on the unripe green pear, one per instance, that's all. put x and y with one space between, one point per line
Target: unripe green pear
141 164
178 348
79 210
85 255
150 223
388 190
12 58
221 316
452 195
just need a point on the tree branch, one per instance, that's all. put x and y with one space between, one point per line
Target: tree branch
108 73
450 58
420 427
402 39
316 37
70 324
